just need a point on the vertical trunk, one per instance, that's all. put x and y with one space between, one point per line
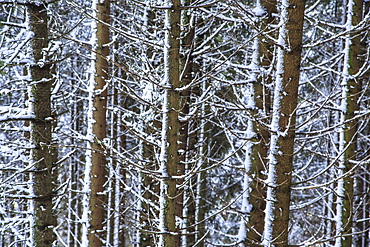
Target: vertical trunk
187 46
149 186
117 173
120 197
199 206
43 154
362 177
200 180
149 189
283 123
348 134
95 173
257 151
149 193
169 157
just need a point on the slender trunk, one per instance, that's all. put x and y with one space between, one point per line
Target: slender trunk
348 134
120 198
95 172
169 157
253 201
149 188
115 195
149 192
43 154
283 123
362 201
201 185
187 46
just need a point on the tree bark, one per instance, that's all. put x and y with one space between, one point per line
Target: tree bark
258 150
96 177
43 153
185 143
283 123
170 161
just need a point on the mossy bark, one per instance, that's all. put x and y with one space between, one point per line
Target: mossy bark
43 153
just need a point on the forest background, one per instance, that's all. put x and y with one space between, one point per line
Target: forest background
184 123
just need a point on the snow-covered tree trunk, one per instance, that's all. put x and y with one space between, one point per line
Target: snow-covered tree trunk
351 89
185 141
95 172
43 152
169 157
251 227
283 123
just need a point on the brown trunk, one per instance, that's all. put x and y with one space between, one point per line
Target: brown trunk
43 153
171 127
187 44
352 90
262 100
98 169
283 124
362 176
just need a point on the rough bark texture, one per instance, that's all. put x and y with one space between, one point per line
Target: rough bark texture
172 161
98 169
260 150
285 113
292 60
43 154
362 176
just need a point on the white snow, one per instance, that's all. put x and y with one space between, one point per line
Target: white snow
259 11
342 144
274 149
90 135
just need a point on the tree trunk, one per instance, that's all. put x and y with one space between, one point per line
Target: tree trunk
351 88
43 153
257 150
362 189
149 188
283 123
169 158
185 144
95 174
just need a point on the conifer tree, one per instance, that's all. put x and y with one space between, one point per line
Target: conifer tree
169 157
280 164
96 171
43 153
351 89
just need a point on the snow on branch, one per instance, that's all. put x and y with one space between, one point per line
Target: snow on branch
8 113
26 2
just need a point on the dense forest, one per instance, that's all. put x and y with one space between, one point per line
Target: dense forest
184 123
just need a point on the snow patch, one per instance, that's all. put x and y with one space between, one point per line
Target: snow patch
259 11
